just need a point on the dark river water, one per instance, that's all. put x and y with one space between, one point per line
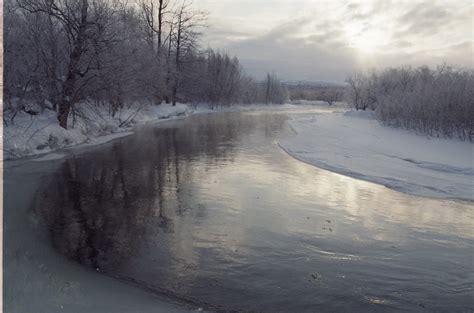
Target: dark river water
210 210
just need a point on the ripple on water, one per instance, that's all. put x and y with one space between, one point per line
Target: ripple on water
210 208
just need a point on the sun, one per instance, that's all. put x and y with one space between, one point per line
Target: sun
365 38
365 44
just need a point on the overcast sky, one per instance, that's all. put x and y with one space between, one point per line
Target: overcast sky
325 40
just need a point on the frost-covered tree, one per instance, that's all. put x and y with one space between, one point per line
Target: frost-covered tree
275 91
86 26
432 101
186 24
62 53
361 90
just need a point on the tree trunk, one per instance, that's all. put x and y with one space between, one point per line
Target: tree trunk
175 91
63 113
168 71
267 100
178 50
69 85
160 26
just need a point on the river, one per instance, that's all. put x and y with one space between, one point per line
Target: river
210 211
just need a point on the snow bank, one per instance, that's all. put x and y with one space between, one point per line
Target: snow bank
356 145
92 125
50 157
40 134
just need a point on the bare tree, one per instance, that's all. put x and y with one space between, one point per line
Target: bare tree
186 23
275 91
85 27
62 53
224 74
435 102
154 12
331 95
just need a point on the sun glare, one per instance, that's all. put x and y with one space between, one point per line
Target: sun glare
367 40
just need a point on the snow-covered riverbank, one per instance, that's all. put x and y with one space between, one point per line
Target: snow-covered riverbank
356 145
351 143
41 134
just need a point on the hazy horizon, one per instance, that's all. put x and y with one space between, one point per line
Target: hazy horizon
326 40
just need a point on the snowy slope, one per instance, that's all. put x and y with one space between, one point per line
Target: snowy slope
30 135
356 145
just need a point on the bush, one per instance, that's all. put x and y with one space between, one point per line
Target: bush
437 102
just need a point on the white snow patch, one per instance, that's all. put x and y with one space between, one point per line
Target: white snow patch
91 125
49 157
356 145
103 139
360 114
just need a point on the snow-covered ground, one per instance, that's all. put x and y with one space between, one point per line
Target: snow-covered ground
40 134
356 145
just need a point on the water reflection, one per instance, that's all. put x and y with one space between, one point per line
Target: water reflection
99 209
211 209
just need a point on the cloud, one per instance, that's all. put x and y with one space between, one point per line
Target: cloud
425 19
317 39
281 50
364 10
219 35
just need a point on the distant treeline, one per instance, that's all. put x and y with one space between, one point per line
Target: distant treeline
311 92
437 102
58 53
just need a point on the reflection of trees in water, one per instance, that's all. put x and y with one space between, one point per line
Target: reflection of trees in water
100 209
94 211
